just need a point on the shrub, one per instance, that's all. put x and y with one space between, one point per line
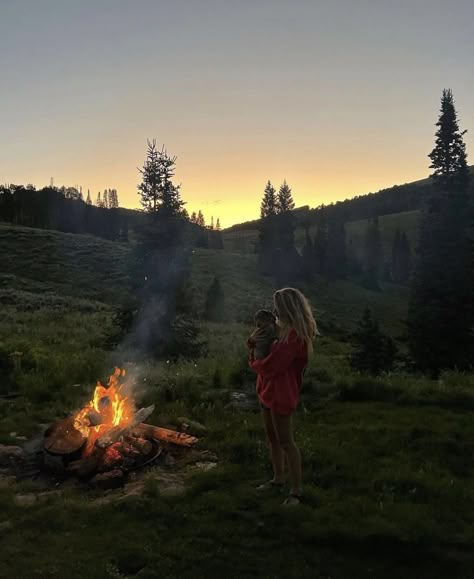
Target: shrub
374 351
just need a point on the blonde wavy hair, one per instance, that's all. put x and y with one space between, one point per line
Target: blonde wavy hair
294 313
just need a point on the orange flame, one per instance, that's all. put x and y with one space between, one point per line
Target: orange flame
110 408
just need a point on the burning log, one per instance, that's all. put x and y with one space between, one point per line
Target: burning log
94 417
107 437
110 437
166 435
114 434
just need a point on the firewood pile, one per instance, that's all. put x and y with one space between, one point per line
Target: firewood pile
107 439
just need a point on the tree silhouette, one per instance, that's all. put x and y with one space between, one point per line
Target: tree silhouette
320 247
214 308
285 199
448 158
200 219
269 205
373 255
336 266
441 310
373 351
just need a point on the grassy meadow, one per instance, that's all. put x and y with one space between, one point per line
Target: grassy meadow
388 462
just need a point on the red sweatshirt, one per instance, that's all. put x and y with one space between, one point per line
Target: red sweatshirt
280 374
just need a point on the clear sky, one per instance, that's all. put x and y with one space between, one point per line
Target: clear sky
338 97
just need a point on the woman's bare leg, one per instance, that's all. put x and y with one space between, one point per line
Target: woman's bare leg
284 432
276 452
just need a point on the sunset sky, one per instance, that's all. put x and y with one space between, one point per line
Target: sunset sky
338 97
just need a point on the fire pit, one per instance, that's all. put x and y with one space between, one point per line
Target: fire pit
108 437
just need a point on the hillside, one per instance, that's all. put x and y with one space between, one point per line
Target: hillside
75 265
386 461
42 263
392 200
245 240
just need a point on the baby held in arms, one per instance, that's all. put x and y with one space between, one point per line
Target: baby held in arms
264 334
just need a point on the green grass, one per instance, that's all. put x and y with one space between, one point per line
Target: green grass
388 471
382 500
78 265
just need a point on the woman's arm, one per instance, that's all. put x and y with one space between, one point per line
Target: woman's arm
280 358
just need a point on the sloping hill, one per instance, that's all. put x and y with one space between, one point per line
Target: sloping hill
75 265
45 268
245 240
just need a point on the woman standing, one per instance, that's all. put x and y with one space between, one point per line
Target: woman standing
279 378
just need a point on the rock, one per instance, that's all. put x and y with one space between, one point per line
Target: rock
25 500
113 479
169 460
5 526
9 451
205 466
6 481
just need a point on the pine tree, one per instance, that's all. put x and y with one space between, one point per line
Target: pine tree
212 222
193 218
113 199
218 224
200 219
88 199
336 266
354 266
214 308
441 309
373 351
307 257
99 202
401 258
321 243
405 258
448 158
285 199
150 187
373 255
396 257
269 205
170 202
105 198
164 324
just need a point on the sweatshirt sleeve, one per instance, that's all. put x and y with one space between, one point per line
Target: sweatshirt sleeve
278 361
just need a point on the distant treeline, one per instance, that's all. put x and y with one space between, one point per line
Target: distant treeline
61 209
397 199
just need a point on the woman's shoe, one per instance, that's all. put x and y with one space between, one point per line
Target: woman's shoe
293 500
270 485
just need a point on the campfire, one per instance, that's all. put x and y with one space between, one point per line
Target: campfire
108 437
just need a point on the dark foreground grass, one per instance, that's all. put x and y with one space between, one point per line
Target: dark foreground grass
389 494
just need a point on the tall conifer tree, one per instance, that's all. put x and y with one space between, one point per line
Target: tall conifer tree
441 310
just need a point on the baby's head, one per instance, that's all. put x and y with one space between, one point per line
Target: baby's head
264 318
